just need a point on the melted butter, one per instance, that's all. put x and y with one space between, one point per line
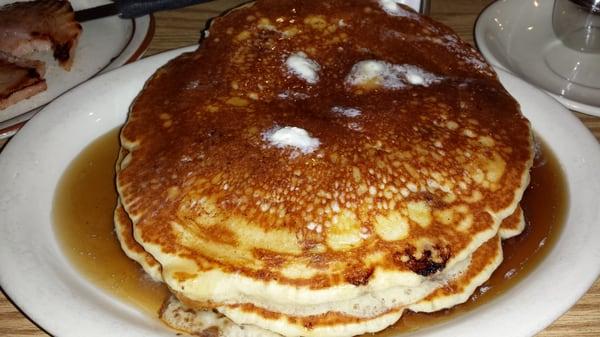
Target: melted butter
83 217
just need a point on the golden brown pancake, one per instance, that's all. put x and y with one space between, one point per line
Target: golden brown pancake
315 158
131 248
206 322
483 263
486 259
513 225
124 231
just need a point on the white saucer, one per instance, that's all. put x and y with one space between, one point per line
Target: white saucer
104 44
517 36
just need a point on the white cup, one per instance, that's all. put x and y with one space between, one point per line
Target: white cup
577 24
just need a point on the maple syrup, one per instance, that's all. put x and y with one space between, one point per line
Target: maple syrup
83 217
84 202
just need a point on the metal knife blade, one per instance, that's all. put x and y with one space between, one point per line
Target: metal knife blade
132 8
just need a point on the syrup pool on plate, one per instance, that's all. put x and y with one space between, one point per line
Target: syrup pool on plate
86 197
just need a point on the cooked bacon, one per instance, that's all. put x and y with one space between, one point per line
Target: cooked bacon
40 26
19 79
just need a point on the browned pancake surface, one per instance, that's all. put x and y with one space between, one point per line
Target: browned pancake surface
457 150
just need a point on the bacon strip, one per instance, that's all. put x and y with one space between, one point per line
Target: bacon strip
19 79
40 25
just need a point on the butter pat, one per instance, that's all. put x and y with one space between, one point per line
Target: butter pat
300 65
291 136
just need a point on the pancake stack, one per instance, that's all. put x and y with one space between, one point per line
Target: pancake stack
317 168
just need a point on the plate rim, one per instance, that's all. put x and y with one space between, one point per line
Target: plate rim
14 148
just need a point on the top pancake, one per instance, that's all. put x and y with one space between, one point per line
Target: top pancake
404 155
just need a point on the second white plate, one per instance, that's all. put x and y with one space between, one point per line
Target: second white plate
104 44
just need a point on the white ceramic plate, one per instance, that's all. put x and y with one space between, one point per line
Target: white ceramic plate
40 280
517 36
104 44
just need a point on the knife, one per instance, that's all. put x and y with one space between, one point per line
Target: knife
128 9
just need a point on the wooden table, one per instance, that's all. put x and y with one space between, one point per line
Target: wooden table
182 27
